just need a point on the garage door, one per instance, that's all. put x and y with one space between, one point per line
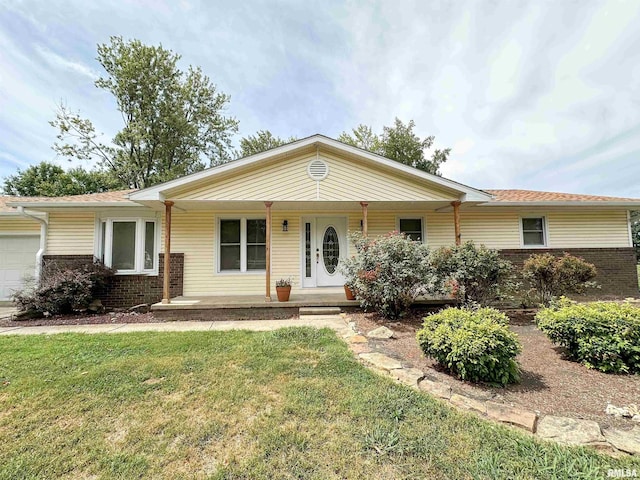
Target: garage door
17 259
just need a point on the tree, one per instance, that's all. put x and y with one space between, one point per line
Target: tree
262 141
50 180
172 119
399 143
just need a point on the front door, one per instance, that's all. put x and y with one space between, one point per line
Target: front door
325 240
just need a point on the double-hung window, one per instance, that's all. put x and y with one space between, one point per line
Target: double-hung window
129 245
534 232
412 228
242 244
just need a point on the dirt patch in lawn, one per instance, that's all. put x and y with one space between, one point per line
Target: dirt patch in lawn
82 319
550 384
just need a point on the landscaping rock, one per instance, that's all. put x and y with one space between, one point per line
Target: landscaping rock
95 305
570 431
511 415
381 361
625 440
635 418
359 348
356 339
382 333
142 308
629 411
438 389
408 376
468 403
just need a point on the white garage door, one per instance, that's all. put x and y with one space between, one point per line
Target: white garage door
17 259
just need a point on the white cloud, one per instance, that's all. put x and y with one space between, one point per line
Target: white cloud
58 61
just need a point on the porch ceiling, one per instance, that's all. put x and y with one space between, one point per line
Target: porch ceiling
297 206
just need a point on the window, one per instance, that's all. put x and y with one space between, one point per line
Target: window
242 244
533 232
412 228
128 245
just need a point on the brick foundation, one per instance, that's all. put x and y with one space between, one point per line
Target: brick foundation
124 291
617 273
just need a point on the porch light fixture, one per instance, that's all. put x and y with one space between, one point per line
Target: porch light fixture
285 226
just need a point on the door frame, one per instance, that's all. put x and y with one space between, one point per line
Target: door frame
311 282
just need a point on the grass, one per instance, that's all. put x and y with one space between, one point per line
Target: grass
287 404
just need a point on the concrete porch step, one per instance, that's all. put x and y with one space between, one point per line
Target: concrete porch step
319 311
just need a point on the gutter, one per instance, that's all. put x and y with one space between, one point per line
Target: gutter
44 223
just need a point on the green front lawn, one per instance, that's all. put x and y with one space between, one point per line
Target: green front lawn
287 404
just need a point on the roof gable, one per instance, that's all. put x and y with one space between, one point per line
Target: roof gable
316 143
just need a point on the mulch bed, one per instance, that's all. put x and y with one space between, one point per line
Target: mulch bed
550 384
82 319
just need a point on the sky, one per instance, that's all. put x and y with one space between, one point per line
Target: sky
541 95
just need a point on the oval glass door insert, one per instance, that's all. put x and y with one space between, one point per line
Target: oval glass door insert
330 250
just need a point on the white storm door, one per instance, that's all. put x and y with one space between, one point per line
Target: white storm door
330 248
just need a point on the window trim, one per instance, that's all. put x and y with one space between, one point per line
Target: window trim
423 222
243 244
545 231
105 247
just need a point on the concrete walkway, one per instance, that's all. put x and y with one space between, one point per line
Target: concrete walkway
335 322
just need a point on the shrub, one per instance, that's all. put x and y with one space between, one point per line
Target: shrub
476 274
600 335
63 288
389 272
553 276
475 345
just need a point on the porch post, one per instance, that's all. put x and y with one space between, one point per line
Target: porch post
456 220
267 297
166 297
365 226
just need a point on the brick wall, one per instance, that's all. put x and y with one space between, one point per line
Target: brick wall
617 273
124 291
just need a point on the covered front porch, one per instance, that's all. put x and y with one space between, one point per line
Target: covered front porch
302 241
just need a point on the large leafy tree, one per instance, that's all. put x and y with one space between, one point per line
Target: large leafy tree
262 141
50 180
173 120
400 143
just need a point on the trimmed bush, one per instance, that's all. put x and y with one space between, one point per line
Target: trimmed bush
63 288
600 335
476 274
389 272
553 276
475 345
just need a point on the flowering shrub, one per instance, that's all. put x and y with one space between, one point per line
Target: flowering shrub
553 276
475 345
389 272
63 289
475 274
600 335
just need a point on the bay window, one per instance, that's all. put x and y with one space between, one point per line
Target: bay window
242 244
129 245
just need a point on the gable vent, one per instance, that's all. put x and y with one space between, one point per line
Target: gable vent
318 170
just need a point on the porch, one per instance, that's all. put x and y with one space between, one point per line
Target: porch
253 307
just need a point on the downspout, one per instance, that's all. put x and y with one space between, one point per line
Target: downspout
43 238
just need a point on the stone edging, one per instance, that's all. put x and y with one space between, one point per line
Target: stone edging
568 431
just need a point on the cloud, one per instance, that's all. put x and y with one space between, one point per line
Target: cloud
539 95
57 61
